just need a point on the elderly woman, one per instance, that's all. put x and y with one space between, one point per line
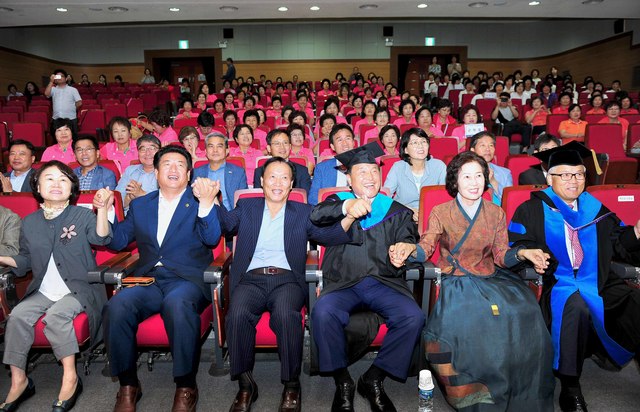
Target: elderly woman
62 150
55 243
243 136
596 103
470 116
189 138
407 108
389 137
381 119
574 127
417 169
482 307
122 150
425 122
612 109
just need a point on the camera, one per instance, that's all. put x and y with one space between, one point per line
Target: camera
58 77
504 99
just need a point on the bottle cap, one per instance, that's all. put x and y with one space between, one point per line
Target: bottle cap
425 381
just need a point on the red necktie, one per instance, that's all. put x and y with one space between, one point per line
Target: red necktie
578 254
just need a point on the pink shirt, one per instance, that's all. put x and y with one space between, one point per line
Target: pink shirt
458 133
261 136
122 159
249 160
371 133
54 152
168 136
305 152
400 121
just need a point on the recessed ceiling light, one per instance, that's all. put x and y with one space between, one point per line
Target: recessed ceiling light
478 4
592 2
228 8
534 3
314 8
61 9
174 9
6 9
369 6
422 6
283 8
118 9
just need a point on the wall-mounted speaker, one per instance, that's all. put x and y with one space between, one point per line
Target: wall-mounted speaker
387 31
227 33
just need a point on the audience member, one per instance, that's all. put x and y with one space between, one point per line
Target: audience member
13 92
21 157
506 115
66 99
537 175
190 138
122 150
574 127
64 133
536 117
160 124
425 122
389 136
279 145
612 110
471 121
91 175
147 78
484 144
140 179
243 136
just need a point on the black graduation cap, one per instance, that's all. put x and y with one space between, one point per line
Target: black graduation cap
362 154
570 154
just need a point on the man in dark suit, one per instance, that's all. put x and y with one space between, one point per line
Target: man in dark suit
174 227
279 144
231 177
536 175
326 174
268 275
21 157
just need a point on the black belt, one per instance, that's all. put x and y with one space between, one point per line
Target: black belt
269 270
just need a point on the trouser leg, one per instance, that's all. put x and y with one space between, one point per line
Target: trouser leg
574 335
59 329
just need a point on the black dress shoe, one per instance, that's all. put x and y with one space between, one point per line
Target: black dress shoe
291 400
375 394
343 398
572 403
67 405
244 398
28 392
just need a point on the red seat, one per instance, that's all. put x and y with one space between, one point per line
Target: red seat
31 132
19 110
80 325
9 119
149 101
364 128
553 123
514 196
21 203
4 136
620 199
633 136
520 163
92 122
466 99
443 147
593 118
135 106
386 162
485 107
178 124
112 110
454 96
38 117
631 118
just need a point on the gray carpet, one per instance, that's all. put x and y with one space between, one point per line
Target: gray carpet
604 391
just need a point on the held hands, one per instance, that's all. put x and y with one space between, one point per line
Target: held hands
539 258
356 208
399 253
103 199
205 190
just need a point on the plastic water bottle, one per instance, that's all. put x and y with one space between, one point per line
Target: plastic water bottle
425 393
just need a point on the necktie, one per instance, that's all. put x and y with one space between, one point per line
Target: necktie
576 247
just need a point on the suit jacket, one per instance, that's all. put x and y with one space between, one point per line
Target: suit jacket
246 219
303 180
235 178
325 175
102 177
26 186
532 176
186 248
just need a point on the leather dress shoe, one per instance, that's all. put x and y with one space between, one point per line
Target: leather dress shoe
572 403
290 401
244 398
127 398
185 400
343 398
68 404
375 394
28 392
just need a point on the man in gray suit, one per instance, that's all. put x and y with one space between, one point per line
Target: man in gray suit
21 157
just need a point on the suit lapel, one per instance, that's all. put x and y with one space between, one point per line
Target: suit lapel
187 202
256 222
152 216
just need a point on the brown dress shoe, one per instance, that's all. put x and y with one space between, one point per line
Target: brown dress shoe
127 398
290 401
185 400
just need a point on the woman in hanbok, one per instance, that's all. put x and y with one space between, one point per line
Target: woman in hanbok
485 339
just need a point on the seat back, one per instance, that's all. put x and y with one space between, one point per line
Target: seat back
386 162
9 119
553 123
112 110
514 196
32 132
135 106
633 137
620 199
296 195
21 203
37 117
443 147
520 163
605 138
178 124
485 107
92 122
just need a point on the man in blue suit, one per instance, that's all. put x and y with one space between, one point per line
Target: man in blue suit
91 175
279 144
174 228
231 177
268 275
326 173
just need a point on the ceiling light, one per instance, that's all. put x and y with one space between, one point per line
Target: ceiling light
95 9
534 3
61 9
369 6
314 8
478 4
6 9
174 9
283 8
118 9
592 2
422 6
228 8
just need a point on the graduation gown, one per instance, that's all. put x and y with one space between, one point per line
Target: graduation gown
613 305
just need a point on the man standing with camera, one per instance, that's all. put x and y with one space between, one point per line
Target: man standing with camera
65 99
506 115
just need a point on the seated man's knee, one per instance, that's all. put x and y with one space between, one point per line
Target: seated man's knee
285 317
178 307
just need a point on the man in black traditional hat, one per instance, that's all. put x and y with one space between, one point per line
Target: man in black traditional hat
359 275
587 307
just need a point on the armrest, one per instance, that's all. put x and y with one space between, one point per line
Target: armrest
625 271
220 265
97 275
119 271
428 272
529 274
313 276
8 293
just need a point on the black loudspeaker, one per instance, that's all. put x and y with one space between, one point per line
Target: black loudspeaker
227 33
387 31
618 26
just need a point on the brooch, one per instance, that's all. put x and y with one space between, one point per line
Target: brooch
67 234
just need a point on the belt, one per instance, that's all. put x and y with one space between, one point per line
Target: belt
269 270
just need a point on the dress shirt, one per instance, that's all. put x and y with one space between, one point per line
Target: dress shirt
137 173
341 177
270 245
85 180
219 175
18 181
567 238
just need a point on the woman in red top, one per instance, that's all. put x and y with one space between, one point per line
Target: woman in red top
563 107
537 116
443 119
201 102
612 109
626 106
596 105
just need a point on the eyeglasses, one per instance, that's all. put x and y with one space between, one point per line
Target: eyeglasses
565 177
81 150
279 144
417 143
148 149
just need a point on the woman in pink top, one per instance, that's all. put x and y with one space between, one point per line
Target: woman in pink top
190 138
470 115
230 121
276 108
62 150
218 109
425 122
161 125
228 101
188 112
407 108
201 102
122 150
389 136
368 111
382 119
297 146
326 89
243 135
443 119
613 117
209 97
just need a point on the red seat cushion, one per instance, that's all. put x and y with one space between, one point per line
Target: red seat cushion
382 331
151 331
80 324
265 338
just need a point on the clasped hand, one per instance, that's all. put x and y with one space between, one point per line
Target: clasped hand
205 190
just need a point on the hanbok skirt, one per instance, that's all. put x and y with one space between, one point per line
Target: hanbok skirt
488 345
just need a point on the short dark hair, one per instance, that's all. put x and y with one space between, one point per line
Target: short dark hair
278 159
610 103
160 117
228 113
61 122
442 103
407 102
149 138
275 132
573 106
381 110
63 71
466 109
23 142
295 114
238 128
66 170
545 138
92 138
172 149
480 135
325 117
251 113
336 128
404 142
186 131
205 119
420 110
453 170
119 120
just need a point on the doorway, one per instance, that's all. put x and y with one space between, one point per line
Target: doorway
196 65
409 65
